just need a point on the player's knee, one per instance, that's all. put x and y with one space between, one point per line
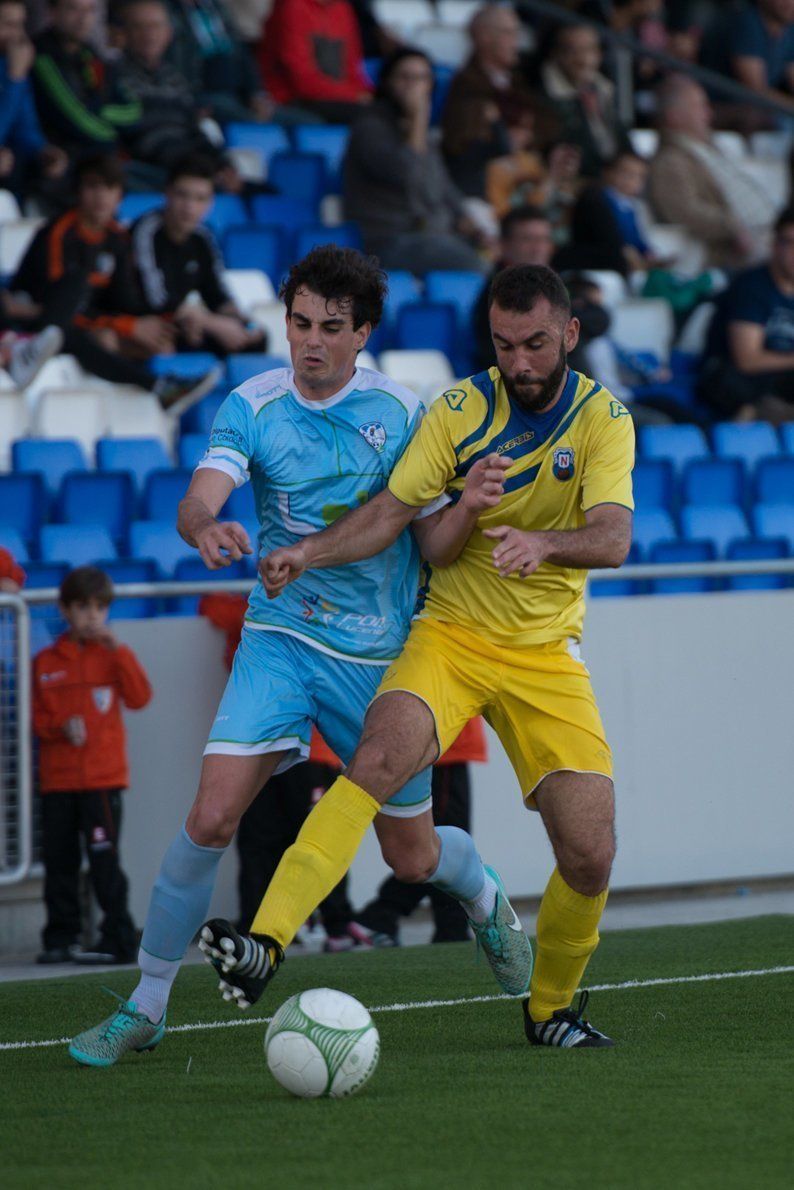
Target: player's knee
587 869
211 824
411 865
376 766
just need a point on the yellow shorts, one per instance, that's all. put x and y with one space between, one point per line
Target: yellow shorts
538 700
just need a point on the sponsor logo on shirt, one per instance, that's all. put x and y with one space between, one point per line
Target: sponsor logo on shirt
562 463
315 608
227 436
55 676
374 434
455 398
103 698
617 410
527 436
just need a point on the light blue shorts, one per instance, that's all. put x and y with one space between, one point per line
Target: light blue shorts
279 686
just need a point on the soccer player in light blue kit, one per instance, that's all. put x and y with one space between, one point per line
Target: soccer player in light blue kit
315 440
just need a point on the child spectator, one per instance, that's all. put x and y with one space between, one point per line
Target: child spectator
12 576
80 684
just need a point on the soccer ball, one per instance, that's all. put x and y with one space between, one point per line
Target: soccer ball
322 1042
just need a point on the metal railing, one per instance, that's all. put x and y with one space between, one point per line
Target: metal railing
16 754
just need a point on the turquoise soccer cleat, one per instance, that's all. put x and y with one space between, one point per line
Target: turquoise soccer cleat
505 944
126 1029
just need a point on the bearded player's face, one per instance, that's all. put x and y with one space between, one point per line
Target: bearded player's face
532 352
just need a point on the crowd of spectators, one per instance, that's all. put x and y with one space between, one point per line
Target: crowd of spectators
99 99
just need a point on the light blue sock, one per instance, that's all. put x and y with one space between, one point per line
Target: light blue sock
459 872
179 904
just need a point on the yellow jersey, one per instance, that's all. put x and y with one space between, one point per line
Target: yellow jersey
566 461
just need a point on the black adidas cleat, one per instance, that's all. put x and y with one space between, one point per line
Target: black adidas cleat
566 1028
245 963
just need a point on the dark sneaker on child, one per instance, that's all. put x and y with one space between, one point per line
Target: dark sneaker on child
29 354
99 955
57 954
245 962
176 394
566 1028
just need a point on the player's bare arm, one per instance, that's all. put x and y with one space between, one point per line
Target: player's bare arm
219 542
443 535
604 541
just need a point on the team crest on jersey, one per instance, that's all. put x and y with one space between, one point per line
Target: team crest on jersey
562 462
103 698
374 433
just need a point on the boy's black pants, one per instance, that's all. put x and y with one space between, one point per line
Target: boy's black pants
71 821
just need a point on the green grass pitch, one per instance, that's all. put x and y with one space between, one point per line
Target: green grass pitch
696 1095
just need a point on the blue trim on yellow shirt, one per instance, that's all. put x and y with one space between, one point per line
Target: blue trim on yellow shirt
485 385
524 478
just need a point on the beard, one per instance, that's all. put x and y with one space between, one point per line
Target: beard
533 395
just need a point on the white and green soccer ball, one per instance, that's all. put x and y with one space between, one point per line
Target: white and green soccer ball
322 1043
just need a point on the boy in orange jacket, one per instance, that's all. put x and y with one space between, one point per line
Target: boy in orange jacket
80 684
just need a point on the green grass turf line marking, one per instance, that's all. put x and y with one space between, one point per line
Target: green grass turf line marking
627 985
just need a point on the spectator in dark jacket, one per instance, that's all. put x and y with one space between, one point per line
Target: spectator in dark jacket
582 97
395 182
25 156
81 104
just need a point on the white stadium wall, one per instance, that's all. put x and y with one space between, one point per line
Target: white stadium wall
696 694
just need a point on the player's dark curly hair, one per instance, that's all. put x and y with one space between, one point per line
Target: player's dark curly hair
517 289
354 281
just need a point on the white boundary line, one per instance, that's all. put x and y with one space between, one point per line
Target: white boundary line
628 985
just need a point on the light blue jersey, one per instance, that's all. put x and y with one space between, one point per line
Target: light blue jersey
310 462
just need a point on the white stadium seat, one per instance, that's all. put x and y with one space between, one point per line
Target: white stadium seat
72 413
612 285
457 12
644 141
732 144
249 288
692 340
644 324
133 413
271 316
14 423
403 16
9 207
366 359
774 145
427 373
772 177
672 242
14 239
443 43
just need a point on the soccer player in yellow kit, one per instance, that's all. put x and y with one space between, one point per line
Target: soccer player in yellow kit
498 631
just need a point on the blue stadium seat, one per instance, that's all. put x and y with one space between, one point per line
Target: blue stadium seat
190 570
199 417
132 206
226 211
45 574
682 551
184 363
299 175
160 541
713 481
461 289
749 442
426 325
774 480
52 458
753 549
251 246
240 368
23 502
344 235
678 443
443 80
132 570
267 139
191 449
775 520
164 489
77 545
787 437
403 289
98 498
718 523
330 141
653 484
650 526
240 505
11 540
278 210
138 456
619 587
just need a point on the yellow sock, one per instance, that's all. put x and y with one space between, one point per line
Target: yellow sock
316 861
567 934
